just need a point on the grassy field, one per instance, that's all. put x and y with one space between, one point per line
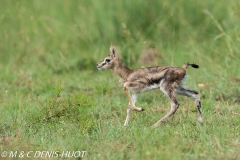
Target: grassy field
52 97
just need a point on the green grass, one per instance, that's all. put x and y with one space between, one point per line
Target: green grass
52 97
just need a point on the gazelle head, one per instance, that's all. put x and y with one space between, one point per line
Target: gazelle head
108 62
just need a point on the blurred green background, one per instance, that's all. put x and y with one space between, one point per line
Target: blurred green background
48 54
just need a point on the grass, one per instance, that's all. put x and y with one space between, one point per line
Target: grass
52 98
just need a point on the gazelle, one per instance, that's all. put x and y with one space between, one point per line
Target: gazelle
169 79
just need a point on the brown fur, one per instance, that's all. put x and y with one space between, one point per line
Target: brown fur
168 78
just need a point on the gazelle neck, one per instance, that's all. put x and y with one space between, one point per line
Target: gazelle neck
121 70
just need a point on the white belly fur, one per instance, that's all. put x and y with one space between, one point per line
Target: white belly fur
151 87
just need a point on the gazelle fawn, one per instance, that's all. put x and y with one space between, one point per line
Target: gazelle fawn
169 79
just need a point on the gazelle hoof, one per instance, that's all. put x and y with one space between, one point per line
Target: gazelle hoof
154 126
200 120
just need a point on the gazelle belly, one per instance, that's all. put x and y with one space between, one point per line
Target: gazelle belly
151 87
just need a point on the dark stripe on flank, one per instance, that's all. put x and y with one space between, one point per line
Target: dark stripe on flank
155 81
158 80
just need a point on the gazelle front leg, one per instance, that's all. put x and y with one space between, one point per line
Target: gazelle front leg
128 115
131 105
132 99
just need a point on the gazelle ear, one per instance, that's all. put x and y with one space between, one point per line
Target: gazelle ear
112 50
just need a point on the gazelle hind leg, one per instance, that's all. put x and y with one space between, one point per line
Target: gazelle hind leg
195 95
174 107
199 106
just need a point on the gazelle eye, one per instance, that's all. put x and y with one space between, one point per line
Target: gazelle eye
107 60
